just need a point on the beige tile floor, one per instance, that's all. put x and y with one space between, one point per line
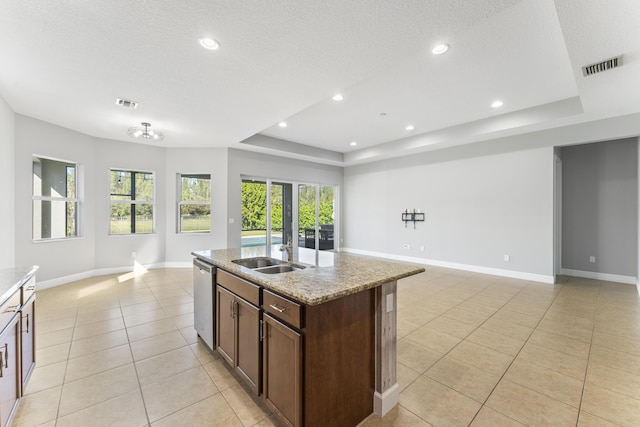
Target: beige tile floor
473 350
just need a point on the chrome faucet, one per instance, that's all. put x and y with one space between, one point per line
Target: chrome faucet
289 248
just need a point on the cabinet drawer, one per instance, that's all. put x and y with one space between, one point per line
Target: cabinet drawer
242 288
9 309
28 289
282 308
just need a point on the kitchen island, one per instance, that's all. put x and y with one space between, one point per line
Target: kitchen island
319 342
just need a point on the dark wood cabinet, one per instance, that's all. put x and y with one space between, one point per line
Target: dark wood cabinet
248 351
225 325
282 371
28 339
238 328
9 371
314 365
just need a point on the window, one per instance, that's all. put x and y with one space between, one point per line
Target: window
194 206
131 202
55 199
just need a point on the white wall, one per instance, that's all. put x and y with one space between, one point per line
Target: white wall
243 163
115 251
62 257
481 203
7 186
211 161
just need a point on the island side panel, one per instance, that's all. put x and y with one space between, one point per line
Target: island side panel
340 361
387 392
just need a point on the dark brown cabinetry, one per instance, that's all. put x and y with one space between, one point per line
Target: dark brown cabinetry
282 371
314 365
238 327
9 369
27 331
17 337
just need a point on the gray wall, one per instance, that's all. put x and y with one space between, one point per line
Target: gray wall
600 207
211 161
481 202
246 163
7 186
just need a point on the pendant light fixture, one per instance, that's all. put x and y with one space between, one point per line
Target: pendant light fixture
145 133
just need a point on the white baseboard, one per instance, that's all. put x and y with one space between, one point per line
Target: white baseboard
383 403
466 267
600 276
45 284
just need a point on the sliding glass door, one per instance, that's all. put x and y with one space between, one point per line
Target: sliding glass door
273 212
316 216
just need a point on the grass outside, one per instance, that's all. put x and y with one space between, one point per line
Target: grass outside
122 225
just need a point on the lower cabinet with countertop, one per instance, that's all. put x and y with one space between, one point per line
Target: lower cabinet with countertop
318 344
312 365
17 337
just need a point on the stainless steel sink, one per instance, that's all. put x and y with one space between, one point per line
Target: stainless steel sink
275 269
254 263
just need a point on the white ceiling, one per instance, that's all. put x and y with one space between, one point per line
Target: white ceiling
66 62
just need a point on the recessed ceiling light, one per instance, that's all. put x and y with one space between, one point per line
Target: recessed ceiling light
208 43
440 49
353 143
497 104
282 124
337 97
410 127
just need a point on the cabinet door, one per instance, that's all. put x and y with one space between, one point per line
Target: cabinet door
282 379
225 324
9 371
27 340
248 351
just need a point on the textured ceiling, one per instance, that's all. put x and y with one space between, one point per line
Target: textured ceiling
66 62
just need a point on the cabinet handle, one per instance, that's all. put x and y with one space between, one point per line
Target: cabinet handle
278 309
27 317
12 308
6 355
31 288
1 365
261 330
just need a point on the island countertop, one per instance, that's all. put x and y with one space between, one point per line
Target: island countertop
11 279
338 273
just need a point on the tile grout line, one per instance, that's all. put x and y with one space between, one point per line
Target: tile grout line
515 357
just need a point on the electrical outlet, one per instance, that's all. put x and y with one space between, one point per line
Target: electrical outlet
422 248
507 258
592 259
133 254
406 246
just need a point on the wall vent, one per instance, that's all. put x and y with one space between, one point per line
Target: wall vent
126 103
601 66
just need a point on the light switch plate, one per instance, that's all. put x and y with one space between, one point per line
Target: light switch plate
389 303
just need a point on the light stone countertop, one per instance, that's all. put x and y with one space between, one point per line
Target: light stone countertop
339 274
11 279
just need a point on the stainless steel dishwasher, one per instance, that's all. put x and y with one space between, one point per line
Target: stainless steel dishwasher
204 276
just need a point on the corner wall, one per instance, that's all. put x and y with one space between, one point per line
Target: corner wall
600 210
7 186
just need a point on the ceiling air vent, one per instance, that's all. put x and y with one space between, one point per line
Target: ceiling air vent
601 66
126 103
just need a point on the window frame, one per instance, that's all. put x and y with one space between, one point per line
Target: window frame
77 200
181 203
132 202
